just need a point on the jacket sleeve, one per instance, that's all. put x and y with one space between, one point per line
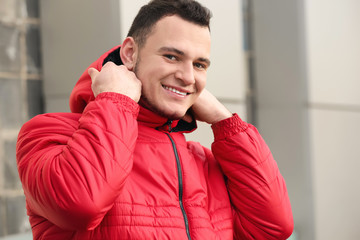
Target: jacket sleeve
261 206
73 166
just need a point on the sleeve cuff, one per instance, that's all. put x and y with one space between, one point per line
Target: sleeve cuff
122 101
228 127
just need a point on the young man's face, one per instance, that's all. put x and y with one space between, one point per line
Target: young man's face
172 66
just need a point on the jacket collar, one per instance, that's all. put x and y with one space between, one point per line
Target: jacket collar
150 119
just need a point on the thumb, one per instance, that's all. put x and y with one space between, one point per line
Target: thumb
188 117
92 72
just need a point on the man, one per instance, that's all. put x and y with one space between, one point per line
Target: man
119 167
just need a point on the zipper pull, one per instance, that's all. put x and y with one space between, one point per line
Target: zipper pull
169 122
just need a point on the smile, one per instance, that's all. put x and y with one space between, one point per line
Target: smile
175 90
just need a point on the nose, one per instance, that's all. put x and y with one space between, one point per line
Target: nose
185 73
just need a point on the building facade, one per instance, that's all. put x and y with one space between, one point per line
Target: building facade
288 67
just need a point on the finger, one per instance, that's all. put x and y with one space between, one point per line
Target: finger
109 63
92 72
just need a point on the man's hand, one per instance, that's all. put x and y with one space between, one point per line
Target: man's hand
208 109
113 78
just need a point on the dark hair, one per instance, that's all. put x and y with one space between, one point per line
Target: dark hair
150 14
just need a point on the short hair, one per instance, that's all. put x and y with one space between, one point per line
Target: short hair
151 13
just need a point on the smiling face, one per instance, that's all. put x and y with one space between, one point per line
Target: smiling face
172 66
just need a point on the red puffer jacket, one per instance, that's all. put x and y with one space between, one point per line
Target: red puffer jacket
113 170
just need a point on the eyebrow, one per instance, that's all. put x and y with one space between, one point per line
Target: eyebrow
179 52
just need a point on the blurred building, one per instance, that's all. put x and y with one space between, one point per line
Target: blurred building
288 67
20 98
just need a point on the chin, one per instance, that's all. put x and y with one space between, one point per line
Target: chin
167 111
172 115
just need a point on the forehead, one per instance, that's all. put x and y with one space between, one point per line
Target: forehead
173 31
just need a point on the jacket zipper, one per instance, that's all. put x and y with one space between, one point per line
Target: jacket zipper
180 183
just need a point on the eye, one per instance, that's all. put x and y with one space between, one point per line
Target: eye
200 65
170 57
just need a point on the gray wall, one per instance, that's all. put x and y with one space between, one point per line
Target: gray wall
281 97
74 34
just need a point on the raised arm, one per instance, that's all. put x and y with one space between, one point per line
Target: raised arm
258 193
73 166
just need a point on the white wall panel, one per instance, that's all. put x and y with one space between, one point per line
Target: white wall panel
333 36
336 155
128 11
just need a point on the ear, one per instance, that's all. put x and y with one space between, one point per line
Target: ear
128 53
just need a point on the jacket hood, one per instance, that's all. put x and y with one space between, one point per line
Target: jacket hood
82 94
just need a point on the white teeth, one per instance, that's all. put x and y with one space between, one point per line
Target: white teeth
175 91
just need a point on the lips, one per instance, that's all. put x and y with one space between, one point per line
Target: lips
175 90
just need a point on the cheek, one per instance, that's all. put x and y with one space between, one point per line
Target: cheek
146 76
152 73
201 82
